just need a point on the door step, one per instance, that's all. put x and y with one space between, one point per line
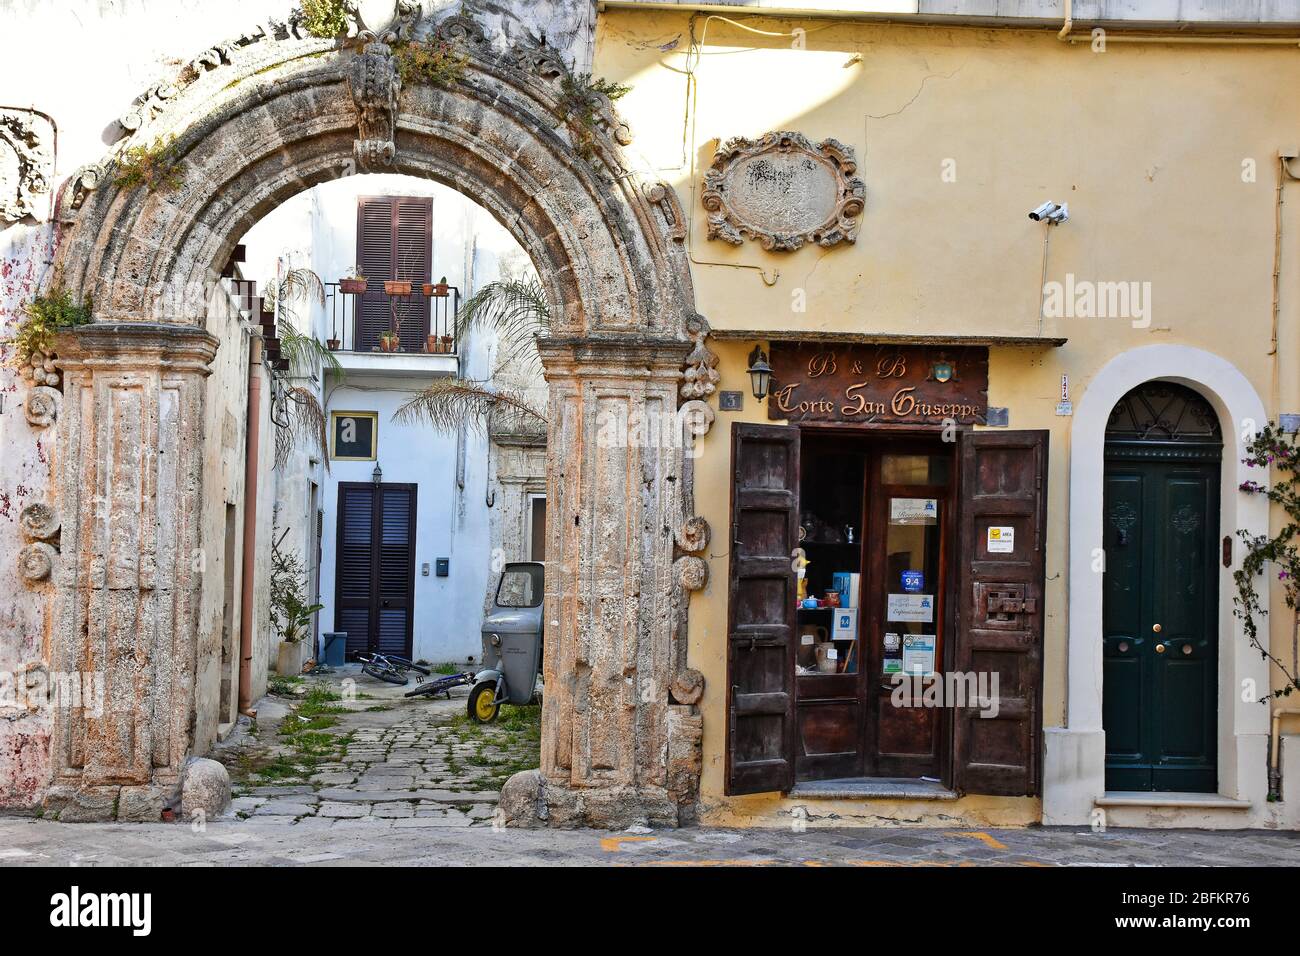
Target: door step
872 788
1190 801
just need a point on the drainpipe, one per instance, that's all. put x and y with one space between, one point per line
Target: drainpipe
1275 751
253 433
1069 21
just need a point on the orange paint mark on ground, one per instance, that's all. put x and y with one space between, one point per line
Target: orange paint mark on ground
610 844
982 837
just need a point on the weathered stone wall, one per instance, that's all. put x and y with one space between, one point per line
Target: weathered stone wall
256 120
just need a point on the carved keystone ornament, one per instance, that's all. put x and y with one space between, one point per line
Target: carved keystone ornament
784 191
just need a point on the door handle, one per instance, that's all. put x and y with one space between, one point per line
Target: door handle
1157 628
1160 648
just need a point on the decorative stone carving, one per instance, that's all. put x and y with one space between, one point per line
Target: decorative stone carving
78 186
687 686
132 430
43 403
26 163
670 207
784 192
692 572
39 521
697 418
701 377
36 562
693 535
375 85
148 105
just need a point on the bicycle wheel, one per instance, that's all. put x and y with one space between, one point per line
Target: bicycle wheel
388 674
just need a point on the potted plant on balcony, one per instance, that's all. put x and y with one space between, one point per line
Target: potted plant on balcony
390 342
436 289
431 343
446 344
354 283
397 286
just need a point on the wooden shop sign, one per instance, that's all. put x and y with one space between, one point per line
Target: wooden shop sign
816 382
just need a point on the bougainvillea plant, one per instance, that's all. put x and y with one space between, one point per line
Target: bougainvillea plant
1275 451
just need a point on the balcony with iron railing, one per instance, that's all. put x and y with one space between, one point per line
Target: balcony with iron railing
385 327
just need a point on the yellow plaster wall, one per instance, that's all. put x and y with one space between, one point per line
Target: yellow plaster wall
1147 144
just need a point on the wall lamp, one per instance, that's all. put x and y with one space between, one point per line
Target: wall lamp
760 373
377 475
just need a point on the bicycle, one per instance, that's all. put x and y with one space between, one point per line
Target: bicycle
388 667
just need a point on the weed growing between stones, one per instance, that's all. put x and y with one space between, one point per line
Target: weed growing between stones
325 19
155 166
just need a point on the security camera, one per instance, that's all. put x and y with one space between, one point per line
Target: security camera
1051 212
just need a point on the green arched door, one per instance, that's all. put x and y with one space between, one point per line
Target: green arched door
1163 454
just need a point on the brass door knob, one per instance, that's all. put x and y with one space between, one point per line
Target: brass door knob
1157 628
1160 648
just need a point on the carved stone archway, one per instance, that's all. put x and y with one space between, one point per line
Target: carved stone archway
255 121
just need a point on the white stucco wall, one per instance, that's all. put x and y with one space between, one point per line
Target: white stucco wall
318 229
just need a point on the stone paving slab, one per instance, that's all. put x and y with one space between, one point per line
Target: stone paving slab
447 838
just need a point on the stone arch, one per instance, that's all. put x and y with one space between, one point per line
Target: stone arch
1075 764
253 122
253 133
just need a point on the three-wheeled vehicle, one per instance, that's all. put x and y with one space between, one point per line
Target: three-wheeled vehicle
512 643
512 647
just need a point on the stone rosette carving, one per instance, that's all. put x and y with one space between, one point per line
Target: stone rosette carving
39 520
783 191
36 562
693 535
43 403
26 163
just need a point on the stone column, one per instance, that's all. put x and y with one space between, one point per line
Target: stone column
128 480
614 479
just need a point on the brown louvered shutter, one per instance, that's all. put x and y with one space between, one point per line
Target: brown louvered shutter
761 608
375 568
413 242
375 256
354 596
394 241
1003 485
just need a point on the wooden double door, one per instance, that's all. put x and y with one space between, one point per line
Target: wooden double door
1160 622
374 571
922 523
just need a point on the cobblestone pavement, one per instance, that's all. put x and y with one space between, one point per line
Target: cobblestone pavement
382 780
360 751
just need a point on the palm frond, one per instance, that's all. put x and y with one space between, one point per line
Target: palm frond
517 310
305 352
449 403
299 422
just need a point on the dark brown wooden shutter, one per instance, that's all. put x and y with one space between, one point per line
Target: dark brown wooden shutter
353 578
394 241
375 569
761 608
1003 484
413 260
